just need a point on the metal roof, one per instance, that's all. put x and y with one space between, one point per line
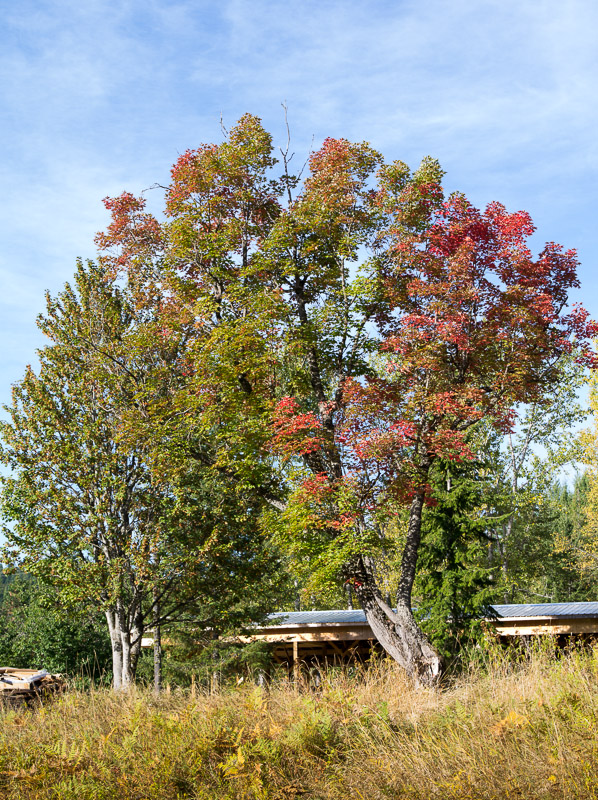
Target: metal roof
547 610
336 616
348 616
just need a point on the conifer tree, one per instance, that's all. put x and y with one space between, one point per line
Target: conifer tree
456 585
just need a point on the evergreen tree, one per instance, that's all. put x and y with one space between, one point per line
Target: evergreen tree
456 585
570 572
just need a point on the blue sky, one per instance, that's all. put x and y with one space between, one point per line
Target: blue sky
98 97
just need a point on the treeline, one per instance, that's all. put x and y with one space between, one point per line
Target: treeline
553 560
343 383
35 633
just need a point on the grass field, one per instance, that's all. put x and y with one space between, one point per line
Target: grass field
506 730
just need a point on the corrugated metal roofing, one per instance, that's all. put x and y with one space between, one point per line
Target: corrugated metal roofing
547 610
318 617
348 616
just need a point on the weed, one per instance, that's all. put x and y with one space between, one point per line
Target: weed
526 727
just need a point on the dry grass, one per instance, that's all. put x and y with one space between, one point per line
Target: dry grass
526 730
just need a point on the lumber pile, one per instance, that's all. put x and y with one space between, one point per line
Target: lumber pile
24 686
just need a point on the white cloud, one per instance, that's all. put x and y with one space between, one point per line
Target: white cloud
99 96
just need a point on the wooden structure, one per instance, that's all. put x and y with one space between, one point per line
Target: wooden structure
318 637
24 686
341 636
570 619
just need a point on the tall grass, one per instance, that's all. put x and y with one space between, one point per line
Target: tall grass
508 729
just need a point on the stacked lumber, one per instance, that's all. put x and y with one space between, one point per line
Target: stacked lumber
26 685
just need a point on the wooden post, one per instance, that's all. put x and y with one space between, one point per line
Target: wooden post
296 664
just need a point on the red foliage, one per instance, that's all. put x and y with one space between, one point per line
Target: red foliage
295 433
132 232
471 325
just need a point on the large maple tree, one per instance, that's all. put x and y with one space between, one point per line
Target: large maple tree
344 331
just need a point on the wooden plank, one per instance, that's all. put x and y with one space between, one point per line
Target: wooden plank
17 671
362 632
572 626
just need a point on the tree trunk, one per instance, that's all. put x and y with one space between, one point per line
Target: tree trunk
117 651
411 551
504 565
397 631
136 635
126 677
157 645
126 645
349 591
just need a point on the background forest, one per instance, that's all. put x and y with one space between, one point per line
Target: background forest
552 558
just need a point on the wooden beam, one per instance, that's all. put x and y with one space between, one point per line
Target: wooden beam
347 634
311 640
551 626
338 651
296 664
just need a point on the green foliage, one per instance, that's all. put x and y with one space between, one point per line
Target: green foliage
569 569
455 584
35 634
526 464
99 514
80 507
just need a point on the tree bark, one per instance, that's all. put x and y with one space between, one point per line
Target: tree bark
117 652
349 591
157 644
396 630
411 550
125 638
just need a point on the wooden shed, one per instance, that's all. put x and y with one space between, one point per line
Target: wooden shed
318 636
535 619
344 635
